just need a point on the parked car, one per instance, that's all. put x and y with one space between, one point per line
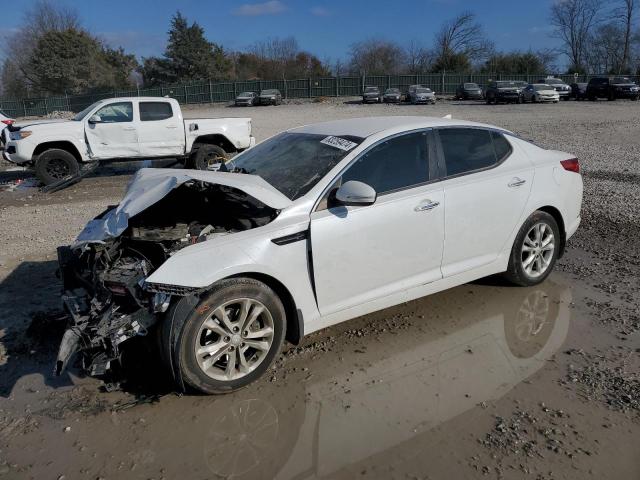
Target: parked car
271 96
123 128
540 92
5 120
562 88
579 91
422 95
371 212
371 94
392 95
469 91
247 99
503 91
612 88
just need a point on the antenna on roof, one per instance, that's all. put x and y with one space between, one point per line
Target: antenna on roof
448 116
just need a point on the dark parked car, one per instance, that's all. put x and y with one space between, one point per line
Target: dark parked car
579 91
371 94
467 91
247 99
612 88
270 97
505 91
392 95
562 88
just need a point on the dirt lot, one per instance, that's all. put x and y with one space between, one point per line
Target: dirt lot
482 381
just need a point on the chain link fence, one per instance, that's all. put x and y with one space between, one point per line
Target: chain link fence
213 92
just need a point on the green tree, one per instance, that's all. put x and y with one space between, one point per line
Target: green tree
121 65
67 61
188 56
515 63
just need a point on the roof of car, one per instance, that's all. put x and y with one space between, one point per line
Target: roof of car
365 127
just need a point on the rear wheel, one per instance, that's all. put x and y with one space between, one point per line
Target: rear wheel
231 337
206 157
535 250
54 165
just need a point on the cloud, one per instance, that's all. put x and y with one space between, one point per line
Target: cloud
320 12
271 7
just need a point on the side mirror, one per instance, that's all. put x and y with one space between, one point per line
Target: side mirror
354 193
95 119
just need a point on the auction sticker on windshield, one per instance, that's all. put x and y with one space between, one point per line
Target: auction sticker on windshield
338 142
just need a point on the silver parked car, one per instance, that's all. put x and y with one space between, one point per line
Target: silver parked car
422 95
247 99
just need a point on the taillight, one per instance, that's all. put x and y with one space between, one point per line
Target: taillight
8 122
571 165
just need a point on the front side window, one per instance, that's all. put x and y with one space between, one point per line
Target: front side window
470 149
116 112
397 163
154 111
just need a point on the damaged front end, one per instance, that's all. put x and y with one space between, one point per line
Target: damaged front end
104 289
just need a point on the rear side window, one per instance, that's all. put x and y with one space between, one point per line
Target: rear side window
466 149
394 164
501 145
154 111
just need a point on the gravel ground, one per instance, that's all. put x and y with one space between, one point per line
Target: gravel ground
422 381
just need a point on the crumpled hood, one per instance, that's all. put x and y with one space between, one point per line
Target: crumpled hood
150 185
29 123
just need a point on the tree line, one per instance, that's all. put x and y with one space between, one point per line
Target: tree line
53 53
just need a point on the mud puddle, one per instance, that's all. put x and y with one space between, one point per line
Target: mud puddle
469 382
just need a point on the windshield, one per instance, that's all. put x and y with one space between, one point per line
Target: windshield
269 92
471 85
392 90
371 89
423 90
294 162
554 81
622 80
542 87
245 94
86 111
506 84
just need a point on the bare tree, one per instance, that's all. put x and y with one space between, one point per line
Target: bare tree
462 36
376 56
574 21
418 58
626 13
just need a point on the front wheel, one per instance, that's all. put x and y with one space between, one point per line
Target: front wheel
231 337
54 165
535 250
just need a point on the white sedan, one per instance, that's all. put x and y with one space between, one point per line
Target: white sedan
540 92
312 227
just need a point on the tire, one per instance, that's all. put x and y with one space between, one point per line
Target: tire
207 155
197 370
54 165
543 259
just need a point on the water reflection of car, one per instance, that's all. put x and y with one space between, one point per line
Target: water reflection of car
432 375
371 94
247 99
540 92
392 95
469 91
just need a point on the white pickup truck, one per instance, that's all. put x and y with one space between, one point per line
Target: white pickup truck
123 128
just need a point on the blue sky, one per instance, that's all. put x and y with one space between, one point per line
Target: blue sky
324 27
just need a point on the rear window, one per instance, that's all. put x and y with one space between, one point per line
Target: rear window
470 149
154 111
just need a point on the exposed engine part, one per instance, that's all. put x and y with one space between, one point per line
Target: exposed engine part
104 283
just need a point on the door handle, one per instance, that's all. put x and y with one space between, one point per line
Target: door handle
172 126
128 128
426 205
516 182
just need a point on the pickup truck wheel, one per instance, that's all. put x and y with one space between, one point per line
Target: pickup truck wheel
231 337
207 156
54 165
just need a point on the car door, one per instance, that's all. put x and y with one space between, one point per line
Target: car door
486 187
161 129
112 132
366 252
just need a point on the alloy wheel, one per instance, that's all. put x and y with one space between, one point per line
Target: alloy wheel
57 168
234 339
537 250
